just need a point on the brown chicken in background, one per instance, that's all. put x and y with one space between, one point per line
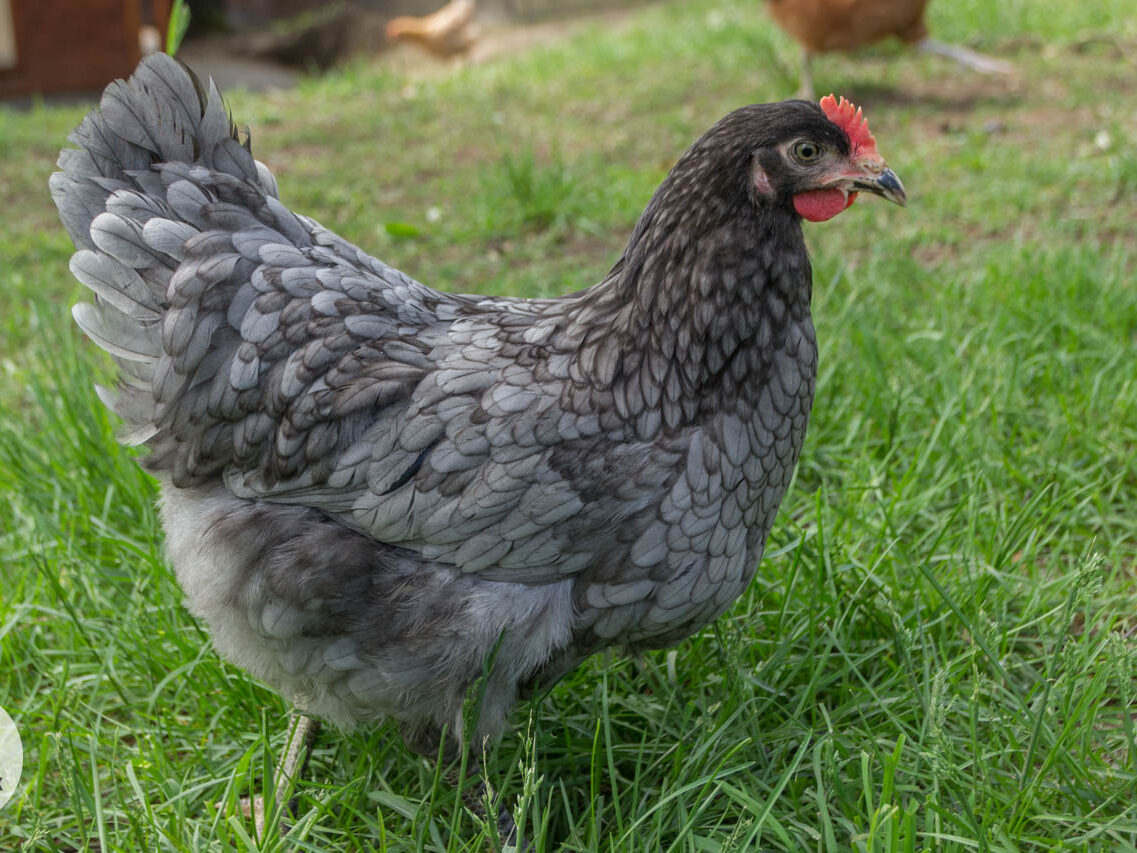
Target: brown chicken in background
448 32
821 26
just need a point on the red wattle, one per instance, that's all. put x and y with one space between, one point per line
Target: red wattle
819 205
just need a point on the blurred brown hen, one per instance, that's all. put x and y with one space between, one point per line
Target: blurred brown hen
821 26
445 33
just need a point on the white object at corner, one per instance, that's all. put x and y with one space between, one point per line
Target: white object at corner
11 758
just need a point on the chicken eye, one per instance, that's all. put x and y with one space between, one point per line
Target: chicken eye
806 152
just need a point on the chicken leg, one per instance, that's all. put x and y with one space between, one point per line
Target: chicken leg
474 798
805 86
302 733
966 57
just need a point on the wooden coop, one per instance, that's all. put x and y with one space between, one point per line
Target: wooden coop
49 46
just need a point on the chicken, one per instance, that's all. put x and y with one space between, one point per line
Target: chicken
827 25
445 33
370 488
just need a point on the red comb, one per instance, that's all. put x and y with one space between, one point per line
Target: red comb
851 120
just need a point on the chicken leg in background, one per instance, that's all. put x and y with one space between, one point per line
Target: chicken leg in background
377 494
821 26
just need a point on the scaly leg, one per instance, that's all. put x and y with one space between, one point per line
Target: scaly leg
964 56
805 89
302 732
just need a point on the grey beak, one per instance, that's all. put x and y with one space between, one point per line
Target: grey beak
886 185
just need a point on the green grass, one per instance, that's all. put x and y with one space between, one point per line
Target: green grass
938 652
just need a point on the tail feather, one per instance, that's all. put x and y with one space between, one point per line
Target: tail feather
121 287
130 204
187 199
161 115
133 404
190 256
168 237
130 199
120 335
122 240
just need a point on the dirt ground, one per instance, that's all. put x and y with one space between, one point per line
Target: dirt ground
232 65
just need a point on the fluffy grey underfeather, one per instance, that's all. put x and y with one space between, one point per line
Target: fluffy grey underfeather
369 485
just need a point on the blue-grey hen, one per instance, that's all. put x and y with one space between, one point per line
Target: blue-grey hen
369 486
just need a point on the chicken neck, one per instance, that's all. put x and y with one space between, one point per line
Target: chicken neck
689 319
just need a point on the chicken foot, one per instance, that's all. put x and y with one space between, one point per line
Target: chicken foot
302 733
477 798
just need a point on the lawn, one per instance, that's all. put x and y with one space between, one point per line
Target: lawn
939 651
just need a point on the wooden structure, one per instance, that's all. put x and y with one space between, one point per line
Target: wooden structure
67 46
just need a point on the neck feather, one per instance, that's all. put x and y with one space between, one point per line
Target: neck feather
689 318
